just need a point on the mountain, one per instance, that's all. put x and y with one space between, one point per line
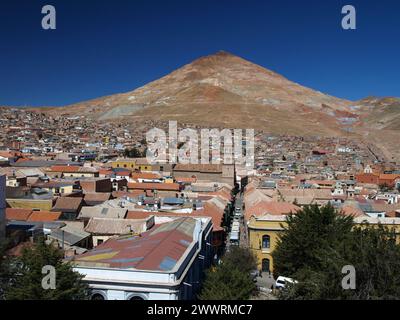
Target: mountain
225 90
381 113
379 124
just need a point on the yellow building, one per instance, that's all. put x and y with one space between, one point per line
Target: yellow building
72 172
132 164
124 163
263 236
32 204
264 230
62 189
169 180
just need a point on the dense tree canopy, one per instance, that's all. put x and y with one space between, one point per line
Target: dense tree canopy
5 270
318 242
25 276
231 280
134 153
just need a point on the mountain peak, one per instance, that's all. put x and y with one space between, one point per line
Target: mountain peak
223 53
216 58
232 89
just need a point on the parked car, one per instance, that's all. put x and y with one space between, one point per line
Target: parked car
281 282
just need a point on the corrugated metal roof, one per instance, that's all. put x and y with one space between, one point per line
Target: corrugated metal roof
159 249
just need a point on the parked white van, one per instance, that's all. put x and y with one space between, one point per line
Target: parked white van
281 282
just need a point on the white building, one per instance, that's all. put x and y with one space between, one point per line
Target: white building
2 207
165 263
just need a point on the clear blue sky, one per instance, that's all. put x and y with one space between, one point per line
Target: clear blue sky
106 47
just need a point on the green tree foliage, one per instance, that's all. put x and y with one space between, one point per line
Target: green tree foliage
385 187
319 242
310 239
242 258
231 280
134 153
27 279
376 257
5 270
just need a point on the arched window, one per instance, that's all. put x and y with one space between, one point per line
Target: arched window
266 241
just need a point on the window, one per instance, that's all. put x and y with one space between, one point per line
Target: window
266 242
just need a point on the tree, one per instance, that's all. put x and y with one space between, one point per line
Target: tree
315 247
310 239
384 187
27 280
133 153
231 280
376 257
242 258
5 269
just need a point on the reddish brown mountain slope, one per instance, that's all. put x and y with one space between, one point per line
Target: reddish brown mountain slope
224 90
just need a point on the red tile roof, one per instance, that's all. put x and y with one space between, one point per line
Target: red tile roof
73 169
97 196
44 216
384 176
351 211
65 168
139 214
105 172
18 214
213 212
67 204
145 175
272 207
123 173
185 179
